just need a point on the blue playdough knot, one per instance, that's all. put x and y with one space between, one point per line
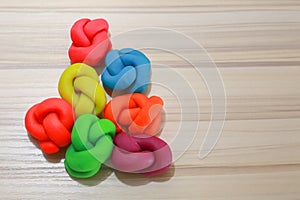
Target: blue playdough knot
126 71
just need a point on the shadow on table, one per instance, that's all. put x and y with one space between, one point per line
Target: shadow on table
101 176
126 178
140 179
53 158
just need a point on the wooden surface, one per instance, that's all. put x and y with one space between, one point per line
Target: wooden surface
255 44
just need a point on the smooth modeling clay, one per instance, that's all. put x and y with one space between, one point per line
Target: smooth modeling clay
92 144
127 71
50 122
90 41
79 85
144 154
135 113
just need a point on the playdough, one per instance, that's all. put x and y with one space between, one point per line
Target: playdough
50 122
141 154
92 144
135 113
127 71
135 117
79 85
90 41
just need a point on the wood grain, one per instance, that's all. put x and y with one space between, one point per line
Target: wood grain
255 44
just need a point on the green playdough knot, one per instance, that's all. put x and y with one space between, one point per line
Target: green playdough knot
92 144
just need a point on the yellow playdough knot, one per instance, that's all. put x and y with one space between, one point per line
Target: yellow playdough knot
79 85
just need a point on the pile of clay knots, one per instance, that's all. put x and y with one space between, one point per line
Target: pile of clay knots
122 133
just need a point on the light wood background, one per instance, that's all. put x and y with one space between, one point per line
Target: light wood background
255 44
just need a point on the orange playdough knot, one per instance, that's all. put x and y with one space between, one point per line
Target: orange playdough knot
135 113
50 122
90 41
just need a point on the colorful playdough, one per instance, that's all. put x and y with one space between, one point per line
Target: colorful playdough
50 122
135 117
79 85
127 71
90 41
135 113
141 154
92 144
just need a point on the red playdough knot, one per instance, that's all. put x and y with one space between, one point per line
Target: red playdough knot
144 154
50 122
90 41
135 113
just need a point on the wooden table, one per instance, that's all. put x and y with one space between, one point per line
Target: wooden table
254 43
